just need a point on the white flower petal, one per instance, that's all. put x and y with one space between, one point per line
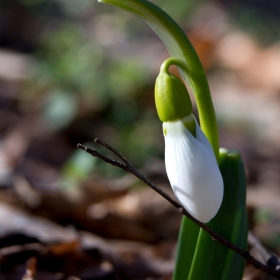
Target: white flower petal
193 171
200 136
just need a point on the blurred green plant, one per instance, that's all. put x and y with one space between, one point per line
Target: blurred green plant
67 84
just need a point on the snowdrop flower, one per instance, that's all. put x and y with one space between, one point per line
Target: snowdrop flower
192 170
190 162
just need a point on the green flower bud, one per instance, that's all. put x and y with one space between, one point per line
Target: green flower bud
171 95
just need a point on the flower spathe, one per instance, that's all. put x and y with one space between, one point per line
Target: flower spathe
192 170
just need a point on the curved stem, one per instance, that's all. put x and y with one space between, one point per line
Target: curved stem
173 61
179 46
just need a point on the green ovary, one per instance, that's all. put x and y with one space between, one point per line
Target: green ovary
171 96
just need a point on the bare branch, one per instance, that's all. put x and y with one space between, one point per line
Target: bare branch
126 165
118 154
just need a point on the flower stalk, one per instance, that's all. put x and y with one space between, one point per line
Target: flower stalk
180 47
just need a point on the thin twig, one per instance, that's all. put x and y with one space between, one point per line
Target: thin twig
129 168
126 165
118 154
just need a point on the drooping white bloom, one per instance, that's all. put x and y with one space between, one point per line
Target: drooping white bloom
192 170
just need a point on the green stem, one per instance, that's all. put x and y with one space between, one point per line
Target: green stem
173 61
179 46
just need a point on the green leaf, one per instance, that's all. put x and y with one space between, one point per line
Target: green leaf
186 245
213 260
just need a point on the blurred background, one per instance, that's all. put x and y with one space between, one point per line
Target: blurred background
71 71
